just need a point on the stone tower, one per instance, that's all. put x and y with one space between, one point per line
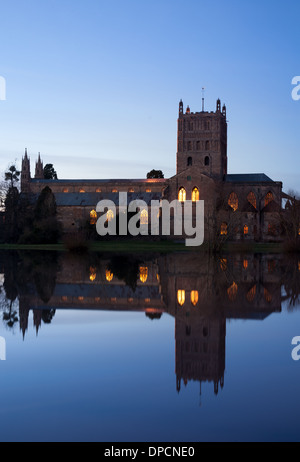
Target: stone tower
39 169
25 173
202 141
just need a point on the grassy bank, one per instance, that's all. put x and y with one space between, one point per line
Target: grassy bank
151 246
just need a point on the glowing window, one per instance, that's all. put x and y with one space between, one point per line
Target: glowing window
81 299
81 190
268 198
246 230
181 297
109 275
233 201
131 190
252 199
114 190
268 296
110 215
251 294
194 297
93 217
232 291
182 195
223 264
148 190
195 194
98 190
65 190
144 217
147 300
64 298
224 229
93 274
143 274
245 263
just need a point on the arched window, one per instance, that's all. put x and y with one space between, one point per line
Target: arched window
252 199
268 198
143 274
233 201
194 297
246 230
189 161
224 229
109 275
232 291
110 215
82 190
251 294
93 273
195 194
206 161
207 145
93 217
181 297
182 195
144 217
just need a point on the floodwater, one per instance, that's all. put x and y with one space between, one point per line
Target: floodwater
157 348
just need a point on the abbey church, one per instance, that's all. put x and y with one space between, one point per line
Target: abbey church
238 206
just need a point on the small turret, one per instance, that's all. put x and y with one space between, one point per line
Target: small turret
25 173
224 110
180 107
39 169
218 105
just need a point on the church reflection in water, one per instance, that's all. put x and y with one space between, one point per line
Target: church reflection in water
200 292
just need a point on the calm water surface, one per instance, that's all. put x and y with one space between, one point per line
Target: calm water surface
174 348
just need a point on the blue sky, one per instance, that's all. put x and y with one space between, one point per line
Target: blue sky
94 86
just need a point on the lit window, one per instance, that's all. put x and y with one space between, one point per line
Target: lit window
64 298
245 263
93 217
143 274
65 190
181 297
147 300
144 217
223 264
148 190
194 297
252 199
195 194
81 299
81 190
131 190
232 291
98 190
110 215
114 190
246 230
109 276
268 296
224 229
268 198
251 294
233 201
182 195
93 274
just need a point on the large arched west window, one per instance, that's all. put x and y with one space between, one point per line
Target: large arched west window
195 194
252 199
268 198
182 195
233 201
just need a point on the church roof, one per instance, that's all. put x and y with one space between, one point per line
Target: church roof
248 178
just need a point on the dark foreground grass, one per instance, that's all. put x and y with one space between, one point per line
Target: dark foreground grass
138 246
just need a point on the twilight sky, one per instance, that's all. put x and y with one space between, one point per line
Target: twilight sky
94 85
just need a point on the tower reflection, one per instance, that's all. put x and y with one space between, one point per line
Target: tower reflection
200 292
